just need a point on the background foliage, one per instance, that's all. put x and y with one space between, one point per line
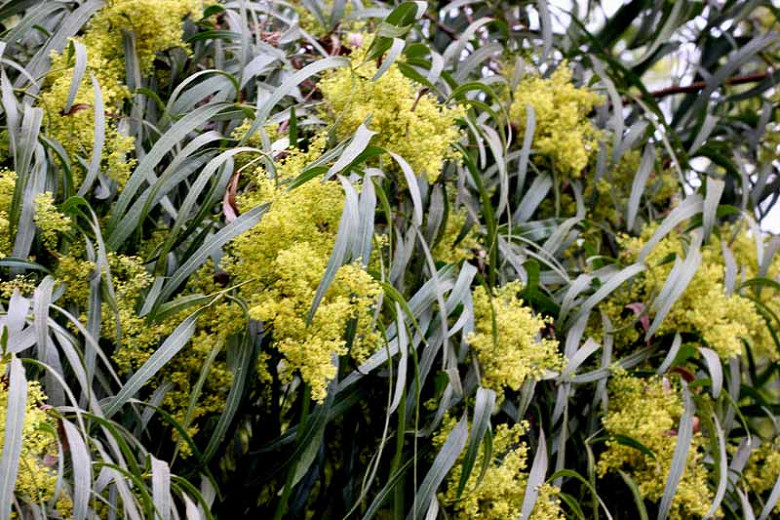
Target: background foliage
477 259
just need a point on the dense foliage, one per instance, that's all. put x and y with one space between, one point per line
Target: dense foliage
342 259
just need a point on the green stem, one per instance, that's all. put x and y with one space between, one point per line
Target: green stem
398 494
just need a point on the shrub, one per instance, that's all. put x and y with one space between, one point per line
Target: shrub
330 259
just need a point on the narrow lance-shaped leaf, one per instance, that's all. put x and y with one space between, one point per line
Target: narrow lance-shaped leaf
291 83
11 109
680 456
241 370
170 347
395 51
14 435
402 340
639 182
348 227
771 501
442 464
605 290
144 172
675 285
533 197
82 470
355 147
690 207
26 145
367 209
414 189
69 27
243 223
535 477
161 488
525 151
671 355
480 424
723 468
547 28
79 68
715 369
99 139
638 498
715 189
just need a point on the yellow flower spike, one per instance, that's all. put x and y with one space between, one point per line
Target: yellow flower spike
25 284
140 337
51 222
499 496
648 411
515 353
284 306
408 122
563 132
705 308
282 261
446 249
36 481
157 25
763 468
7 186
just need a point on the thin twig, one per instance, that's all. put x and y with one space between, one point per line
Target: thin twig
443 28
701 85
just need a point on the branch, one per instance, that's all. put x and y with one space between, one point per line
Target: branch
443 28
701 85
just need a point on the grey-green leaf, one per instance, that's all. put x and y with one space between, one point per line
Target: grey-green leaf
14 434
535 478
170 347
680 456
442 464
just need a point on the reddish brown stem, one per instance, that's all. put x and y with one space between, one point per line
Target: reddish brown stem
443 28
701 85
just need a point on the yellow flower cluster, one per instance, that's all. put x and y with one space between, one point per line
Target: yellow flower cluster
563 132
743 246
140 338
614 191
25 284
763 468
506 339
157 27
156 24
284 307
49 220
499 496
705 308
648 411
75 130
37 480
284 258
7 186
75 273
309 22
215 326
408 122
448 249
